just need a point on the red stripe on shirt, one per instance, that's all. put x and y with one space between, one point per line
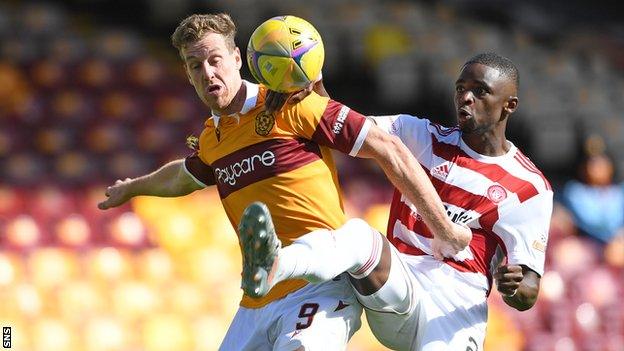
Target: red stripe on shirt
453 153
525 161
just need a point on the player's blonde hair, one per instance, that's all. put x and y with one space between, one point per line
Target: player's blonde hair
195 27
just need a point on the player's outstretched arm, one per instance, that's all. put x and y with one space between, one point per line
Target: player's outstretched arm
518 284
407 175
168 181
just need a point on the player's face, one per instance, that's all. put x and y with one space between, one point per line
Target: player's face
483 98
214 70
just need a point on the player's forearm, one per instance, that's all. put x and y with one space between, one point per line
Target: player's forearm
168 181
408 176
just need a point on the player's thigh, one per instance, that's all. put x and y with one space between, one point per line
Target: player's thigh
453 337
246 332
459 328
323 320
394 331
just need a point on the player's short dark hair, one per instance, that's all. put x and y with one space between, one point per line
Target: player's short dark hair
496 61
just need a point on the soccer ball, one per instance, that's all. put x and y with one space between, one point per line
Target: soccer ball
285 53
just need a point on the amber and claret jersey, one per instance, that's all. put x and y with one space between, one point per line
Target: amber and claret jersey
283 160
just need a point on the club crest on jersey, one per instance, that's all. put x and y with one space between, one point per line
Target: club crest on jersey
441 171
496 193
264 123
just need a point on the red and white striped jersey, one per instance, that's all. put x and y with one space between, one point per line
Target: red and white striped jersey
505 200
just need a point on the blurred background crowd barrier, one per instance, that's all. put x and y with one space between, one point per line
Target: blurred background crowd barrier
91 91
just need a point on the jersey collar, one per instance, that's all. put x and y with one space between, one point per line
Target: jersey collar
250 103
487 159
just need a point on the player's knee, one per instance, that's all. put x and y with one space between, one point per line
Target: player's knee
395 295
358 225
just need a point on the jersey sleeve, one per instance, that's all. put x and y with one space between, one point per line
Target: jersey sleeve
328 123
413 131
197 169
524 231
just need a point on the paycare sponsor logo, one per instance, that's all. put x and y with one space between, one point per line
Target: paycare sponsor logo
340 120
232 172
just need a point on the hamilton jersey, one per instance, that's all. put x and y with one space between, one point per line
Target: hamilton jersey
505 200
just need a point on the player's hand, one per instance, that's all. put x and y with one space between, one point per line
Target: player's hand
116 194
450 244
508 279
275 101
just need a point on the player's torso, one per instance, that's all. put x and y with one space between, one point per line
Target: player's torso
272 159
473 193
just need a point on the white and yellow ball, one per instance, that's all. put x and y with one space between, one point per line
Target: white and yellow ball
285 53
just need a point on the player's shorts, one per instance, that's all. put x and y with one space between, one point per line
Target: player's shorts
320 316
448 312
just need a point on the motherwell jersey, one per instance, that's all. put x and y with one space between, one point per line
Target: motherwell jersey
505 200
283 160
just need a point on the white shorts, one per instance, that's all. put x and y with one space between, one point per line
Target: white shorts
320 316
449 310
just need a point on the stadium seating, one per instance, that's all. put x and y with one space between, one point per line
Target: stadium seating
81 106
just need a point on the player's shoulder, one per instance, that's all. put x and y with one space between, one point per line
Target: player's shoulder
442 132
524 168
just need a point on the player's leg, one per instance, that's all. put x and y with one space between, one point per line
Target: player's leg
451 308
318 317
246 332
379 278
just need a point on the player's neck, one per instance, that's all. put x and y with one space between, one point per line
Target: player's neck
238 101
490 143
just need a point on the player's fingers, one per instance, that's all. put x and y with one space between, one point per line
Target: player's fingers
507 287
514 276
509 268
103 205
436 252
297 97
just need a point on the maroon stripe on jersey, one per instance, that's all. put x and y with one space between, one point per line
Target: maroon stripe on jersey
339 127
483 247
412 221
524 189
488 220
199 169
260 161
459 197
395 214
528 164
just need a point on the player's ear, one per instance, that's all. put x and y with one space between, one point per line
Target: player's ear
511 105
237 57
